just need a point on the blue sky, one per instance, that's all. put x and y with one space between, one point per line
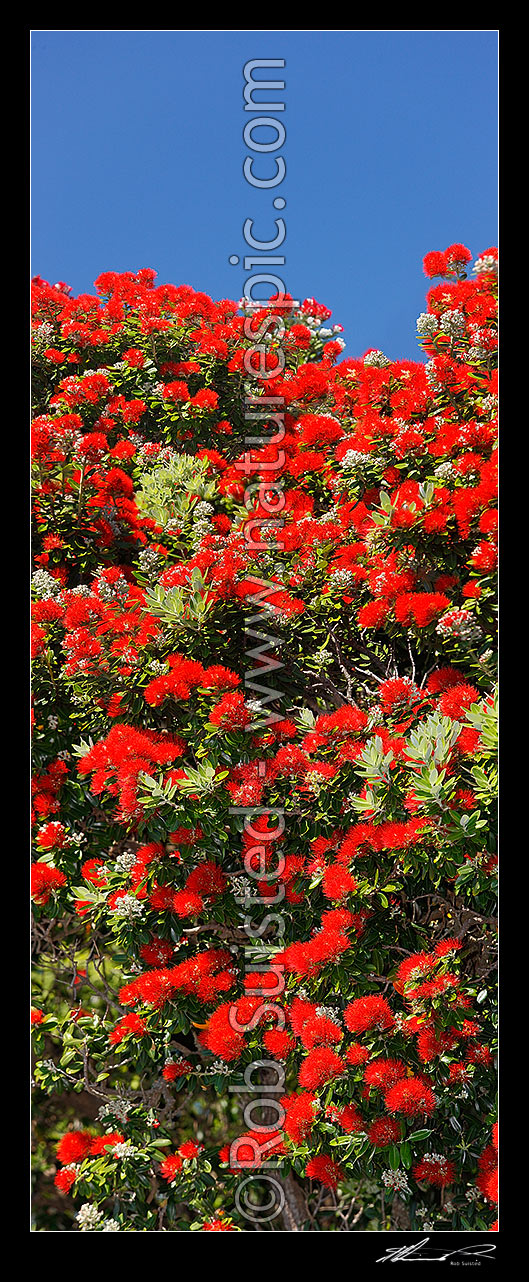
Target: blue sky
391 151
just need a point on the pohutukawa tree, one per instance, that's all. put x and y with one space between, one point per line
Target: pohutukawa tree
264 763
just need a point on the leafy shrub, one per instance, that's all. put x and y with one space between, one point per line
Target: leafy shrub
264 763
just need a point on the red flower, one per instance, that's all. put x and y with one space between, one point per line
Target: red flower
435 1169
321 1065
323 1168
189 1150
385 1130
410 1096
367 1013
300 1114
44 881
434 264
129 1025
65 1179
74 1146
171 1166
383 1073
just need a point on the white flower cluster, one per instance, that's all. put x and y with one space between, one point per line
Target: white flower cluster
431 375
44 585
329 1012
42 333
124 1150
128 907
342 579
377 359
218 1066
445 471
314 781
453 323
157 668
355 458
202 510
490 404
199 530
118 1108
116 591
322 658
396 1180
149 561
253 705
124 863
427 324
487 263
88 1217
241 887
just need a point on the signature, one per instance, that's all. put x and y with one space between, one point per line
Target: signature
482 1250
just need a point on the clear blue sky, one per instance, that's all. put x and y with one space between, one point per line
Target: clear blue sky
391 151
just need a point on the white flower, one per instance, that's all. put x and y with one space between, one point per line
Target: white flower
322 658
453 322
124 1150
376 358
115 591
218 1066
396 1180
149 560
202 510
118 1108
427 324
355 458
445 471
241 887
44 585
88 1217
128 907
487 263
124 863
342 579
329 1012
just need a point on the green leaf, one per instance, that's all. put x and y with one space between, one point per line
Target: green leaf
406 1156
